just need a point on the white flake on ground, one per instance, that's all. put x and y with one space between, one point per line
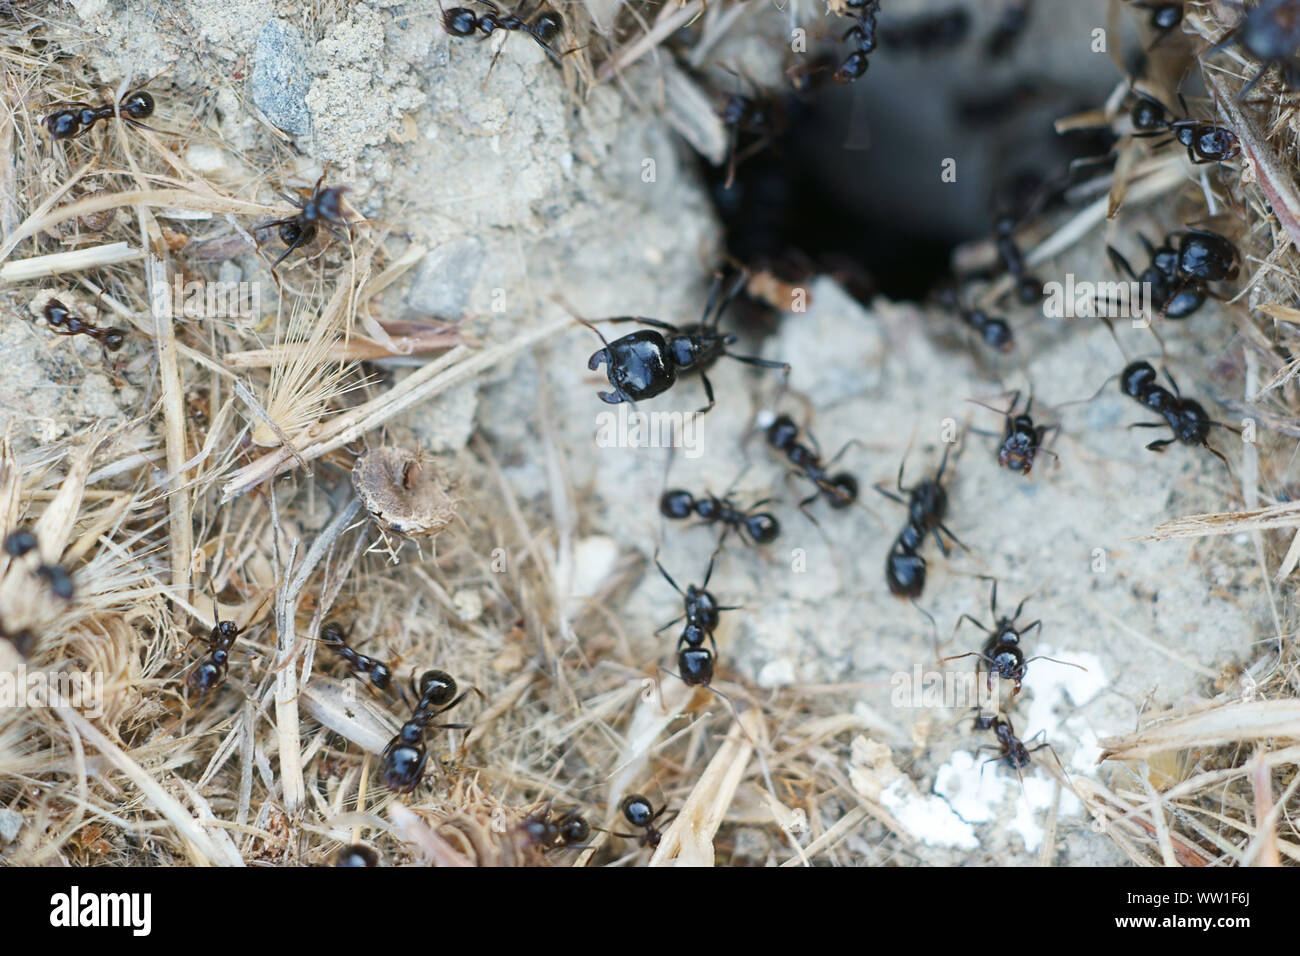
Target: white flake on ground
972 794
928 818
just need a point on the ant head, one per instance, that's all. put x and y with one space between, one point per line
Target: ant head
997 334
637 810
113 339
574 829
548 26
227 630
676 504
332 633
381 675
329 203
437 687
356 855
19 543
640 365
137 105
782 433
459 21
1136 378
24 642
763 528
1148 113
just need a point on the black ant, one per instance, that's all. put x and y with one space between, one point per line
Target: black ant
646 363
759 526
1002 649
764 120
23 640
1179 276
992 331
76 118
380 674
1028 288
1022 440
638 811
211 670
840 489
1013 750
1164 19
568 831
356 855
1271 33
22 542
1011 26
406 754
322 208
927 505
544 27
1186 418
863 35
64 322
701 611
927 32
1204 142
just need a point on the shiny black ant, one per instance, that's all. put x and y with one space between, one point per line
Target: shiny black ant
1002 651
64 322
76 118
323 208
701 610
646 363
569 831
1204 142
380 674
211 670
22 542
927 505
1269 32
862 35
758 526
1164 19
1029 289
356 855
1022 440
406 754
639 812
761 119
543 27
1186 418
840 489
1013 750
1179 275
994 332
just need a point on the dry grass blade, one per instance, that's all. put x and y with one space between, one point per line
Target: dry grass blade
1221 724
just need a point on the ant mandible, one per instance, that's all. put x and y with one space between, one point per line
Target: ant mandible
380 674
1022 440
927 505
322 208
76 118
63 322
758 526
646 363
840 489
639 812
1186 418
406 754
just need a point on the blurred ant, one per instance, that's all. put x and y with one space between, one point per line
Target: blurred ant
323 208
64 322
380 674
1164 19
1002 649
862 35
1205 142
639 812
758 526
700 609
406 754
1011 26
211 670
927 505
1029 289
1022 440
840 489
76 118
762 119
1269 32
570 831
1179 276
1013 750
927 32
646 363
356 855
1187 419
543 27
23 640
22 542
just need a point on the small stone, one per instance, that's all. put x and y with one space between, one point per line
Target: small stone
280 78
403 491
446 277
11 821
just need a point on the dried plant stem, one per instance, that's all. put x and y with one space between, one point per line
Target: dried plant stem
78 260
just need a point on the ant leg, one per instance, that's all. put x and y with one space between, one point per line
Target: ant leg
761 363
667 577
708 391
1120 263
840 454
889 494
956 540
1160 445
